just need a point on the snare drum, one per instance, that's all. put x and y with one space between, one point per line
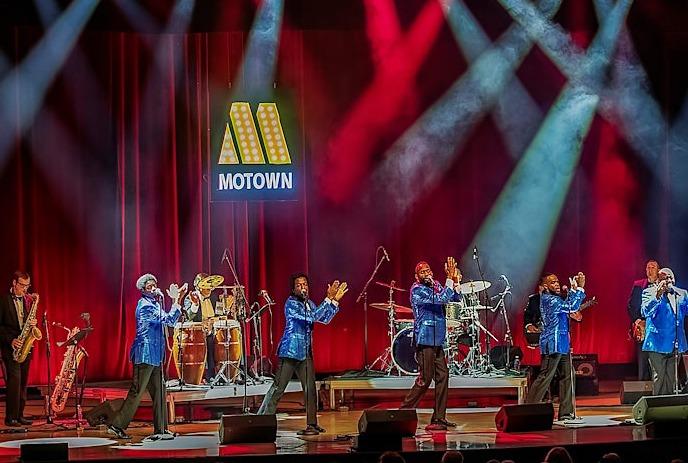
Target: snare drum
457 313
190 358
227 346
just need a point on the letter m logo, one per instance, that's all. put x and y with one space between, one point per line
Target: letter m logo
248 146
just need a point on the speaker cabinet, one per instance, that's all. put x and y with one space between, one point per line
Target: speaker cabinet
384 429
661 408
103 413
248 429
632 391
525 417
52 452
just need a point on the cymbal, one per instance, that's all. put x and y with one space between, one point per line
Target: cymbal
475 286
211 282
390 286
397 308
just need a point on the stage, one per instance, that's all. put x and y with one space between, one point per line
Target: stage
602 430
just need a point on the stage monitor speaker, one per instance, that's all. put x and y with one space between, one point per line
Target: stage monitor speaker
585 365
103 413
661 408
248 429
47 452
632 391
525 417
384 429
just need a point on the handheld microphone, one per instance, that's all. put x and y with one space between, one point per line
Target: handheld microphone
385 252
475 252
158 292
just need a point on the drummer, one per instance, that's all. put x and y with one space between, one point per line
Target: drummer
204 299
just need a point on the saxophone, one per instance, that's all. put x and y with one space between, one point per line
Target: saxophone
65 379
28 334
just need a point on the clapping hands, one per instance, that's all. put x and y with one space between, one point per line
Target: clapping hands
336 290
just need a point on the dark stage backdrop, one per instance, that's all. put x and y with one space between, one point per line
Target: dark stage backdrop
110 179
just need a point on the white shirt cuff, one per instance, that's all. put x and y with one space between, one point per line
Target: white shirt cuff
332 301
449 283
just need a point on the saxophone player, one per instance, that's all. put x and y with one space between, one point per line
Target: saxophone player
14 311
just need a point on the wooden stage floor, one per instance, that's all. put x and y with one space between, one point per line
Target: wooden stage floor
475 436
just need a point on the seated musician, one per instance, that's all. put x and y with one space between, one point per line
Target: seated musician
201 305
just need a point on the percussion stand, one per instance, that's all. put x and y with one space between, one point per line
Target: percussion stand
364 295
488 363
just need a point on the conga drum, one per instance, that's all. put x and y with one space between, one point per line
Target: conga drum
227 347
190 358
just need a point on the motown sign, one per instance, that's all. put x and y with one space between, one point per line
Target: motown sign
254 161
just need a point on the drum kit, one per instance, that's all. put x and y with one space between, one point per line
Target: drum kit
466 334
191 344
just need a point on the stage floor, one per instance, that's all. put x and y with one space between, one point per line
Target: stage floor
475 434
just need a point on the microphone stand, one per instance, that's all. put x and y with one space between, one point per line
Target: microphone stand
241 303
677 389
364 295
476 258
507 336
48 408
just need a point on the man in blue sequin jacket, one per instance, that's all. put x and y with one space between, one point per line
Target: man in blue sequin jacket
147 354
555 345
428 299
295 349
664 307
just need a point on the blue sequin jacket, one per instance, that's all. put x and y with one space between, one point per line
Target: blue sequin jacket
555 312
430 324
149 343
660 330
297 339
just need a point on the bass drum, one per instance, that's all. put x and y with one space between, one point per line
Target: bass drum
404 352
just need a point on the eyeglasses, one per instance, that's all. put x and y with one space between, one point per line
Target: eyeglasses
23 285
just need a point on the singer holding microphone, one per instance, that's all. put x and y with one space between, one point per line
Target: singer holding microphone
428 299
664 307
148 353
555 345
295 349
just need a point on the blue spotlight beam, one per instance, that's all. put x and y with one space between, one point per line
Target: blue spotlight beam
517 131
257 72
523 220
30 80
422 154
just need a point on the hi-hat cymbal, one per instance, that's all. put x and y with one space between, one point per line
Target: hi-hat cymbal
211 282
390 285
475 286
386 306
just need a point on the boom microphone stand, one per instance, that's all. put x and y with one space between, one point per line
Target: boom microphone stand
507 336
48 408
364 295
476 258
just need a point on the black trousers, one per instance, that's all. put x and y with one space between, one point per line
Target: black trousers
285 370
644 372
433 366
17 377
146 378
549 366
210 358
663 379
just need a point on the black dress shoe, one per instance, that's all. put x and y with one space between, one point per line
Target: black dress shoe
447 423
12 423
118 432
436 426
318 428
309 431
24 421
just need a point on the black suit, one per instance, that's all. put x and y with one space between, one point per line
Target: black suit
634 313
16 374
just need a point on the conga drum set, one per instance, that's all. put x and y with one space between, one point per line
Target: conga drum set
190 340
